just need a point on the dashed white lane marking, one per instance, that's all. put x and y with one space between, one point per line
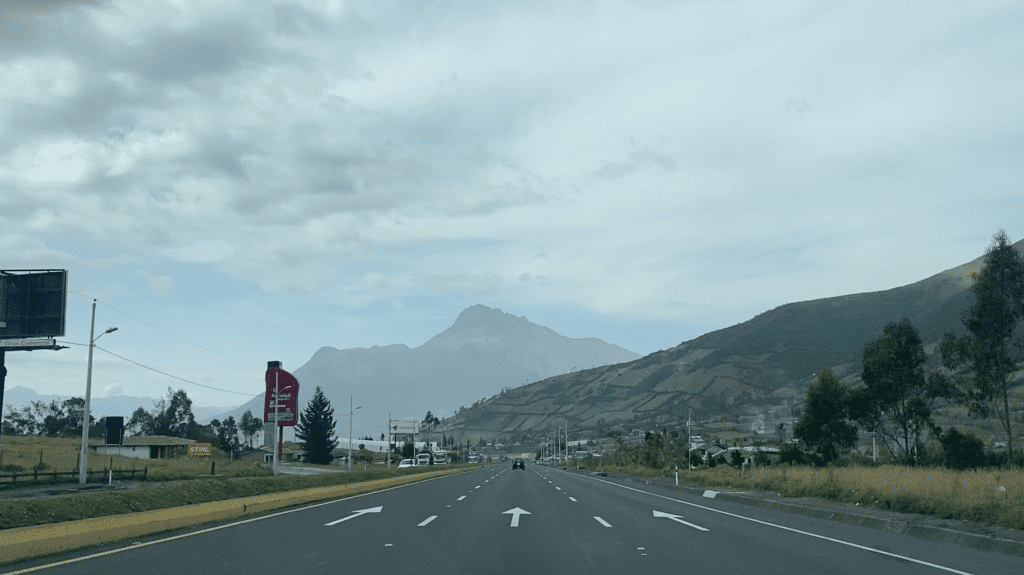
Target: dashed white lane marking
477 487
461 498
427 520
602 521
572 499
558 488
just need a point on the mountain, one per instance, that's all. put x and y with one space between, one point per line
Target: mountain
484 351
751 372
122 405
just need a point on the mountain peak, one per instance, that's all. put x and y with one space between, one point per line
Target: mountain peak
477 315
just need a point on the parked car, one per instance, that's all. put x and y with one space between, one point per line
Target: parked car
406 463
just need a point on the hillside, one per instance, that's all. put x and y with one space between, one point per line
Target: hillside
756 371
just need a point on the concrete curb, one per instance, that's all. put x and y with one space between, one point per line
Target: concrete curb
40 540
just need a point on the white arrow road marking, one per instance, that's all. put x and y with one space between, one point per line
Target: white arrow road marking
356 514
427 520
602 521
515 515
677 518
790 529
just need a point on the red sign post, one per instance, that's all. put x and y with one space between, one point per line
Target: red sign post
281 402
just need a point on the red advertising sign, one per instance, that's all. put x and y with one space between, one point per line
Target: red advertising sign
284 408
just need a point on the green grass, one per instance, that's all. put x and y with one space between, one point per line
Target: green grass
973 496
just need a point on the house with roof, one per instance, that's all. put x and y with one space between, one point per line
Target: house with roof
147 447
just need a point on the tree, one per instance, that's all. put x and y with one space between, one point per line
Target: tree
962 451
430 421
173 415
140 423
895 401
226 432
998 308
824 425
315 430
408 450
780 433
19 422
250 426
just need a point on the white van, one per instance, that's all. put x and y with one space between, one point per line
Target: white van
440 458
423 459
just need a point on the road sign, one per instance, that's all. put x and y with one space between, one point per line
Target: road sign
286 403
28 344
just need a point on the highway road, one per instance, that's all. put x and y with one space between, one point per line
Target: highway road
537 520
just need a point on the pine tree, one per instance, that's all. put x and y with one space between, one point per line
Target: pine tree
316 429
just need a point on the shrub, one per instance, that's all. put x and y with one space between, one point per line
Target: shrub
962 451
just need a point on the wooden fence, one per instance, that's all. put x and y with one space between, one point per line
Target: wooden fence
11 480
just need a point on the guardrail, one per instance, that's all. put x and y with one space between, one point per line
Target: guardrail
36 477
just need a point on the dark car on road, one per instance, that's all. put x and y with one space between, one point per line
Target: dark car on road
518 464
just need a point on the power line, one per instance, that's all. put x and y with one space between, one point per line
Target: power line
167 332
158 371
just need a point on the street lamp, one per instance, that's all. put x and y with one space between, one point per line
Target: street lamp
83 460
351 413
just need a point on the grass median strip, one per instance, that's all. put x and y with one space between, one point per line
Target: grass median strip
173 507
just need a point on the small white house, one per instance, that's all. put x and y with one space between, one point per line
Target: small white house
147 447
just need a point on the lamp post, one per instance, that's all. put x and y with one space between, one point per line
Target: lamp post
83 460
351 413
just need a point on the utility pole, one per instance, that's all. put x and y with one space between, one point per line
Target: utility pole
689 441
350 414
83 460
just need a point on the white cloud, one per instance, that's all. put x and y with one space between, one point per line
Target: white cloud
728 156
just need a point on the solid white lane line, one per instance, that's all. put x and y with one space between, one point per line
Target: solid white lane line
461 498
427 520
602 521
809 534
572 499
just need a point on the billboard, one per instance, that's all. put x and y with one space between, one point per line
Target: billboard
399 426
284 408
198 449
33 303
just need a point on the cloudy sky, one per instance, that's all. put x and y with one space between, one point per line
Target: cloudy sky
241 181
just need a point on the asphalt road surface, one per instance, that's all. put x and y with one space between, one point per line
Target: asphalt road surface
537 520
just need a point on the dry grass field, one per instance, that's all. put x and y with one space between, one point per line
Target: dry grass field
987 497
23 454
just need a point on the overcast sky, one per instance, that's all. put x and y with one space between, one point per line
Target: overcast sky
265 178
